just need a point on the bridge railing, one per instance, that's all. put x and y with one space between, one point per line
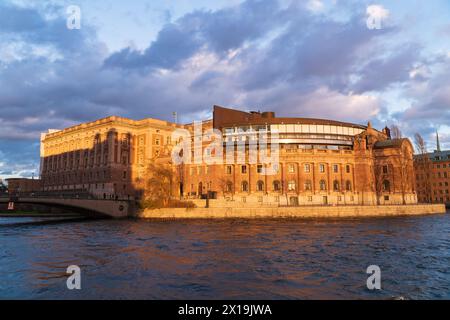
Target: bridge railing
82 195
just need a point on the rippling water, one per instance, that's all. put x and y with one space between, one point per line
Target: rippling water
229 259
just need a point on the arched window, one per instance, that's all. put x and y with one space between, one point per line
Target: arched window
348 185
323 185
229 186
244 186
276 185
308 185
386 186
336 186
260 186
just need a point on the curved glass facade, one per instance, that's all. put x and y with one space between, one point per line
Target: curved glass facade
303 135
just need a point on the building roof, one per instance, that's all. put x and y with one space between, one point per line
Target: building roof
223 117
390 143
439 155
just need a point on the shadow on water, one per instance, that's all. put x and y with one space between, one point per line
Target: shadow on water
36 221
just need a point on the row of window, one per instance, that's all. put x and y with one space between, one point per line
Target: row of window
294 201
297 128
291 168
80 177
443 174
291 186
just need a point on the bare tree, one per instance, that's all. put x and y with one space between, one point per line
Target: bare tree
158 185
396 133
423 165
223 185
380 176
405 167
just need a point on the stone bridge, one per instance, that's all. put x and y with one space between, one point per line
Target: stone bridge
94 207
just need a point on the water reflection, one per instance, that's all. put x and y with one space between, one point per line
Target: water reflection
232 259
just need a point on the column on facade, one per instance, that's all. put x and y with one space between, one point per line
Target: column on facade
329 179
111 147
314 184
233 167
249 166
266 187
119 147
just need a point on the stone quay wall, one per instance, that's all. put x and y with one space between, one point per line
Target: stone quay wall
294 212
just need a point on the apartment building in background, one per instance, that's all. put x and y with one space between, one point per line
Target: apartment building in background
433 176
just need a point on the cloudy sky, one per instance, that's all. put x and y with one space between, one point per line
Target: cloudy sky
148 58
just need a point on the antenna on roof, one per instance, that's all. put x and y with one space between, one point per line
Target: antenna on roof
438 144
175 117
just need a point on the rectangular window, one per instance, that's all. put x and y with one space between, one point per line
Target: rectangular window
307 167
229 169
243 169
335 168
321 168
259 168
291 185
347 168
291 168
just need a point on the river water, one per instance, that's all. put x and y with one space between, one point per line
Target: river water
227 259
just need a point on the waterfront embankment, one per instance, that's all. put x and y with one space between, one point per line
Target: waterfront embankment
293 212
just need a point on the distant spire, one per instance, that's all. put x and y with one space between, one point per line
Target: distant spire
438 145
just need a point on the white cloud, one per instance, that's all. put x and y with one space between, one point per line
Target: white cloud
336 105
420 72
315 5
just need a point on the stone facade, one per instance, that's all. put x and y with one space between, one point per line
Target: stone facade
321 162
105 158
294 212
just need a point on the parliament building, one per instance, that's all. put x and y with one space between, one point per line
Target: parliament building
319 162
